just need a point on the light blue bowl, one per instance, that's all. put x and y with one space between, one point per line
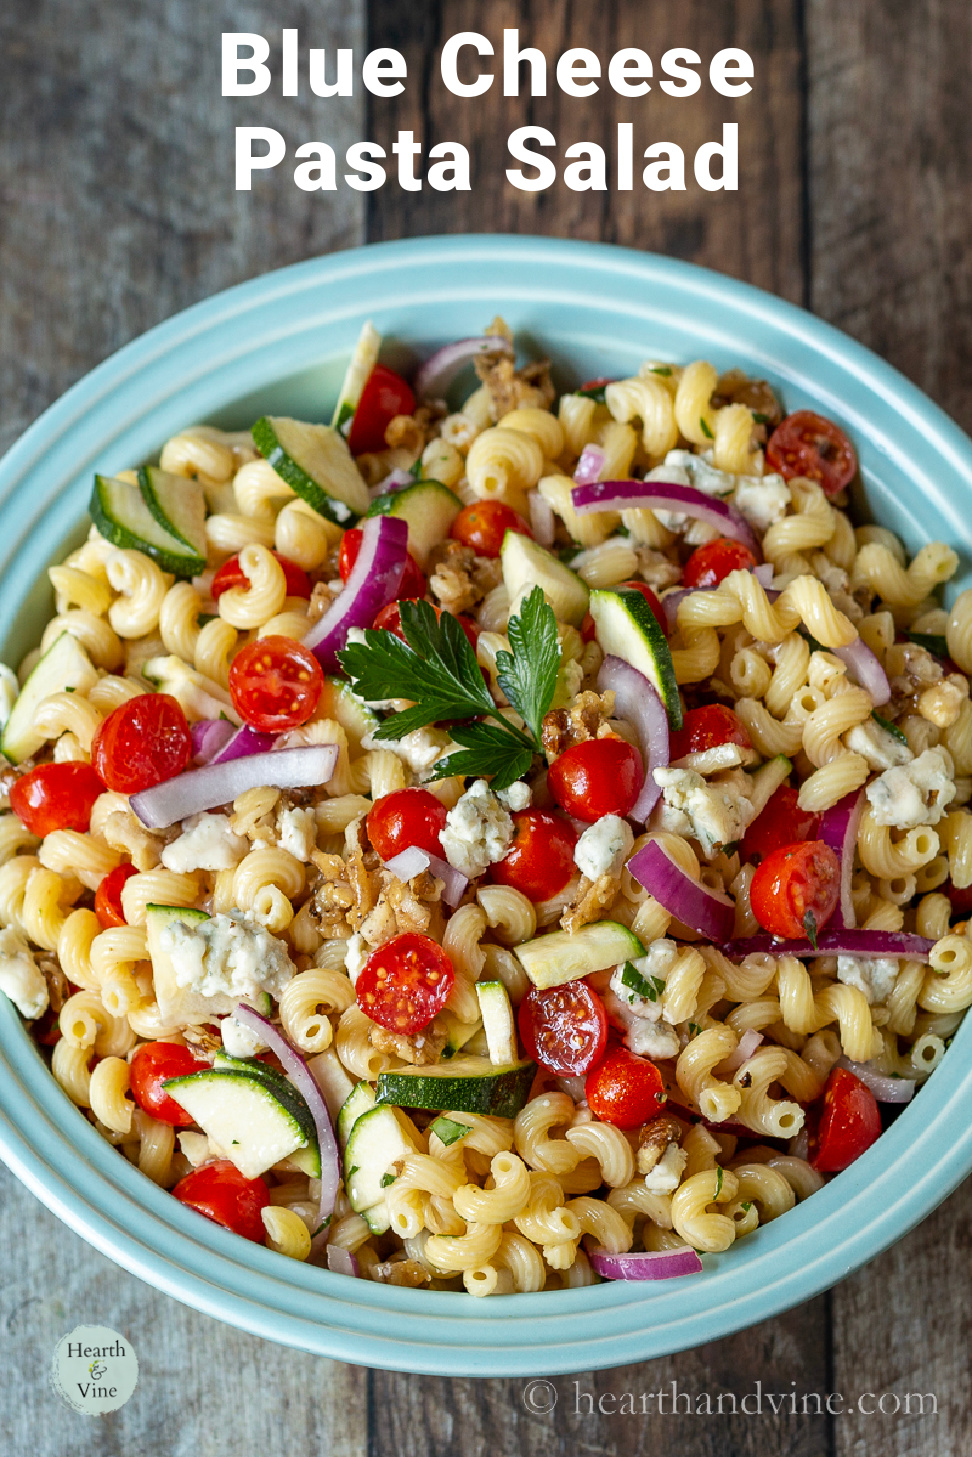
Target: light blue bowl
280 344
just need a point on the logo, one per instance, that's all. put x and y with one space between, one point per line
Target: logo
94 1369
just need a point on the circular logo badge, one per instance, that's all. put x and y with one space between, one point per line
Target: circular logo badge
94 1369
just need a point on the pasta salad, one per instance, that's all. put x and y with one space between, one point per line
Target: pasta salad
494 848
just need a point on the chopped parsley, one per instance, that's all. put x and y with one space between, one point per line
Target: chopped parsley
933 642
704 427
645 986
889 727
449 1130
719 1183
662 369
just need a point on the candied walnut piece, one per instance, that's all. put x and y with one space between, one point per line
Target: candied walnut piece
400 1272
592 898
587 718
653 1139
514 389
736 388
420 1049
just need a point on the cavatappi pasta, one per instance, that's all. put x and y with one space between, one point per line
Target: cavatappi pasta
289 899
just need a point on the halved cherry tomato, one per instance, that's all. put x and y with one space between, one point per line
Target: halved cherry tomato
483 524
405 983
222 1194
592 386
151 1065
143 742
231 574
108 903
56 797
598 777
275 683
849 1124
588 628
805 444
47 1029
711 564
795 890
624 1090
390 619
384 396
658 610
564 1029
781 822
406 817
540 860
708 727
413 581
960 900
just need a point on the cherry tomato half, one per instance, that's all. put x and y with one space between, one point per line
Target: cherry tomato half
413 581
222 1194
231 574
540 860
390 619
795 890
384 396
624 1090
781 822
849 1124
56 797
588 628
406 817
483 524
658 610
275 683
143 742
593 386
405 983
563 1029
599 777
805 444
108 902
711 564
959 899
708 727
152 1064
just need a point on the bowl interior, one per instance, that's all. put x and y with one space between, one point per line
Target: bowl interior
279 345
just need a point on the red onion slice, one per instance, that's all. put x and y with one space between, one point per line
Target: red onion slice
866 670
838 942
764 574
303 1079
542 519
665 496
590 465
341 1262
373 583
885 1089
636 700
409 862
200 789
838 829
209 736
646 1264
706 911
438 372
245 741
748 1044
413 860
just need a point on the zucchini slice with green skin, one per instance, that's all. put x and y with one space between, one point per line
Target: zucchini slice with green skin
526 565
339 701
253 1120
360 1100
122 516
562 956
464 1085
363 361
428 507
64 665
308 1159
378 1138
494 1003
315 462
178 505
628 629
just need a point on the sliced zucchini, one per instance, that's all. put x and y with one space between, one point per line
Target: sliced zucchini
377 1140
428 507
64 665
465 1085
361 1100
315 462
627 628
121 514
562 956
363 361
178 505
340 702
254 1121
308 1159
494 1003
457 1033
526 565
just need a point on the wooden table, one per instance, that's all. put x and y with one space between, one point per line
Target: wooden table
117 208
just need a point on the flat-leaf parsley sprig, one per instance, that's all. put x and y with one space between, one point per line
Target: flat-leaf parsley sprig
436 670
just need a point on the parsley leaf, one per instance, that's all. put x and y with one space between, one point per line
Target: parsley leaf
704 427
889 727
760 419
487 748
719 1183
694 1028
933 642
449 1130
528 676
662 369
746 1206
645 986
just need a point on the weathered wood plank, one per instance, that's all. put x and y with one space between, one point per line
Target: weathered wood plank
754 233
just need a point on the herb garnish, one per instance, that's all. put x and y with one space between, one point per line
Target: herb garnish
933 642
663 369
595 393
645 986
889 727
704 427
436 670
449 1130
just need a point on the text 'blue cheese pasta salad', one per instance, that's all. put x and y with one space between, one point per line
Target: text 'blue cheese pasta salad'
500 848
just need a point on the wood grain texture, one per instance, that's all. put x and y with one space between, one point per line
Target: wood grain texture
891 174
755 233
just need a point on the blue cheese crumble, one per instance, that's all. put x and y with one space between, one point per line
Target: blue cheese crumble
478 831
604 847
227 955
913 794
